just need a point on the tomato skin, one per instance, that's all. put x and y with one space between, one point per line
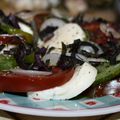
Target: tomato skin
10 39
96 35
92 26
11 82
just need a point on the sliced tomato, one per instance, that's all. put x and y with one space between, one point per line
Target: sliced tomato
96 35
10 39
92 26
14 82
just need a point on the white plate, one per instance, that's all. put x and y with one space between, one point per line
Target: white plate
55 108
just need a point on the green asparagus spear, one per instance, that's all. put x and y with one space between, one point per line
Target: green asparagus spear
10 30
108 74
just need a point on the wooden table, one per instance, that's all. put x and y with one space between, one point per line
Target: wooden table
13 116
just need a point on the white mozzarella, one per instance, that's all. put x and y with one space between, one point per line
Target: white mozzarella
54 22
66 34
83 78
25 28
53 58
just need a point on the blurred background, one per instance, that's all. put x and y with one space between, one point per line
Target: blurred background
107 9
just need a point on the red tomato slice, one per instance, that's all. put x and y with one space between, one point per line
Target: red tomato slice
10 39
96 35
14 82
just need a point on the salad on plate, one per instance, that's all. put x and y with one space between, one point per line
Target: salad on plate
59 58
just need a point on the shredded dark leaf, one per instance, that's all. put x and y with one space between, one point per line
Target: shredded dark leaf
47 33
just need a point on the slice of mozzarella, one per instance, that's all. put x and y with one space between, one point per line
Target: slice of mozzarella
66 34
83 78
53 58
25 28
54 22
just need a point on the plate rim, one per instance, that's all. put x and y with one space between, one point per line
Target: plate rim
60 113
